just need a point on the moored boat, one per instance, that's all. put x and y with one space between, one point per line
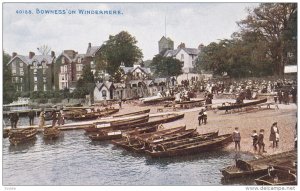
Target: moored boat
155 100
117 124
133 113
258 167
18 136
51 133
194 148
277 176
111 135
95 115
236 106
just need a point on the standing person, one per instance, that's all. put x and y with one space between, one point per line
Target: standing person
274 135
255 140
204 118
200 116
54 118
42 119
280 97
260 141
31 114
120 104
14 118
236 136
61 118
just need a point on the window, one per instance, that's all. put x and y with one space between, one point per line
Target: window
35 79
44 71
63 60
34 71
182 57
21 80
66 68
103 93
35 87
14 71
79 60
45 87
44 79
21 72
62 69
62 77
21 88
34 64
21 64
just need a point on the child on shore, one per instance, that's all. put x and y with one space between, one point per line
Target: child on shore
236 136
255 140
260 141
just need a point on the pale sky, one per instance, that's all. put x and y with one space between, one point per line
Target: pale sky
191 23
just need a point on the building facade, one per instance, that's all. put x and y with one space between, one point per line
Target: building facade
33 72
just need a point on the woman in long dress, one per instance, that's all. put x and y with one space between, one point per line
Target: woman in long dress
42 119
274 135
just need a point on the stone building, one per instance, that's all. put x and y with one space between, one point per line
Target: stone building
68 66
33 72
165 44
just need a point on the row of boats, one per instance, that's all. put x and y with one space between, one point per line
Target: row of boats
19 136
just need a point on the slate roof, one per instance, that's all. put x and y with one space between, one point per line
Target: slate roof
91 51
132 69
190 51
108 85
38 58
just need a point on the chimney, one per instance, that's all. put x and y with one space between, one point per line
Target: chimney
200 47
31 55
14 54
52 54
90 44
182 45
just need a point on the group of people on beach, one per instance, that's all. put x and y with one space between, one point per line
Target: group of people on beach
258 139
56 116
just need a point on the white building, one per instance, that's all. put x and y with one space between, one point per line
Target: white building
187 55
104 91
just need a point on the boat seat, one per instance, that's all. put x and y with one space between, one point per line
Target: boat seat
160 109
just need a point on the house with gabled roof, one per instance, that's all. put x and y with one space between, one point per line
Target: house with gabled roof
90 56
187 55
33 72
69 65
104 91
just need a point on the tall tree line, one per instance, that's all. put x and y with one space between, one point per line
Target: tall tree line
266 42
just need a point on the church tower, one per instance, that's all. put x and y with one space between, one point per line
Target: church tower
165 44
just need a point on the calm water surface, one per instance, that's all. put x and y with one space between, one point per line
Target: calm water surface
74 160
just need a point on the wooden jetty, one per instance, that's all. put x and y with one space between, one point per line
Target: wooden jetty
258 167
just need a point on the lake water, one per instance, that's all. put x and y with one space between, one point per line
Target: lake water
74 159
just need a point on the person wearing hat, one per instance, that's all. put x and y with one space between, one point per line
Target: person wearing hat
274 135
260 142
31 115
236 136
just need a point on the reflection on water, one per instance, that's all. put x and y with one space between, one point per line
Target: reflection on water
73 159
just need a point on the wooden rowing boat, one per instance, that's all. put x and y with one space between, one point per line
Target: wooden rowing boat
128 142
118 124
111 135
18 136
5 133
236 106
51 133
189 102
168 144
153 140
157 100
277 176
257 167
194 148
94 115
133 113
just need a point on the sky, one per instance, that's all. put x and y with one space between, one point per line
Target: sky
190 23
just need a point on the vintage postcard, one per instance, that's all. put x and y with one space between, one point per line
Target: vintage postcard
149 94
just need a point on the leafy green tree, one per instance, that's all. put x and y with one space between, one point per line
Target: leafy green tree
86 84
271 23
117 49
166 66
8 87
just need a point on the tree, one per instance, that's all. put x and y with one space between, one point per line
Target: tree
166 66
8 87
44 49
271 22
86 84
120 48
